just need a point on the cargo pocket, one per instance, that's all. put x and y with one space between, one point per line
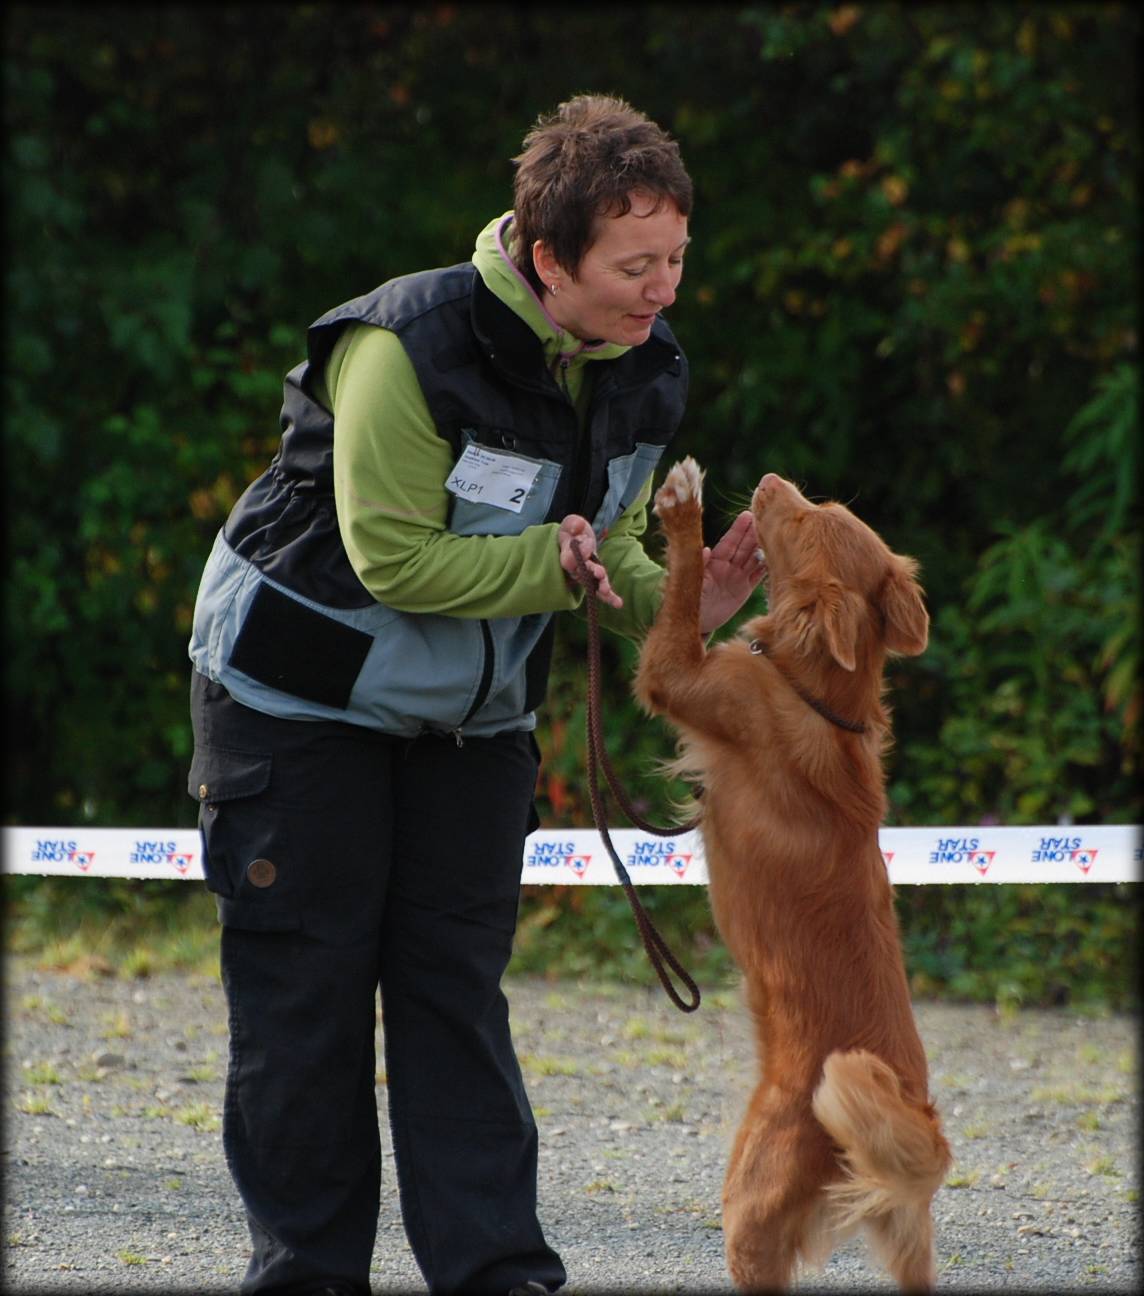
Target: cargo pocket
239 830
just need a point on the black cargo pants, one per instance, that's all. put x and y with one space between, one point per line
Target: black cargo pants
342 860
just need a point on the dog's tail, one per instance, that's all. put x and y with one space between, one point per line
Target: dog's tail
894 1152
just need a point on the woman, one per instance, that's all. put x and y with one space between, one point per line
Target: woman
372 635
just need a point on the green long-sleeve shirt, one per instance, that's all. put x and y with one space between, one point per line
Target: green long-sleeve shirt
390 467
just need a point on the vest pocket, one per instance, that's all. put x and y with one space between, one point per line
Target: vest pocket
468 517
626 477
291 647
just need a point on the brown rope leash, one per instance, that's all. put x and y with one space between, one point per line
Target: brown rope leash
657 949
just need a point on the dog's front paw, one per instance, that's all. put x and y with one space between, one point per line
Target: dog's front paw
682 487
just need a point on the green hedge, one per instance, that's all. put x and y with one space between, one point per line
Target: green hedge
1013 946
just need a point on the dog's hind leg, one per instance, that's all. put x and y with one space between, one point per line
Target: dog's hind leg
902 1240
761 1250
773 1196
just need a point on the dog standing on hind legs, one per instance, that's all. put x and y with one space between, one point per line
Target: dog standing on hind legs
785 729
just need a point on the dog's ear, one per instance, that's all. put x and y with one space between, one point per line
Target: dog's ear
907 621
840 611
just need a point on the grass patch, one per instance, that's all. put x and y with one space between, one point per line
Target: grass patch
42 1073
539 1065
1103 1165
666 1057
957 1082
34 1105
626 1058
125 927
116 1026
198 1116
1081 956
37 1006
1078 1095
138 963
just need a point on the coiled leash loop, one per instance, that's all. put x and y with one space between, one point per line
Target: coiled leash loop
657 949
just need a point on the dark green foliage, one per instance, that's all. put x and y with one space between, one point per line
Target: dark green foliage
1024 945
1010 945
913 286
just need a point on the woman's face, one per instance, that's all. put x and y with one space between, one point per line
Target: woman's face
628 275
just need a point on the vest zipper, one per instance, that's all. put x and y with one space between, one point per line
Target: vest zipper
485 684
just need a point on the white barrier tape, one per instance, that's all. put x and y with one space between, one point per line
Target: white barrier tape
1097 853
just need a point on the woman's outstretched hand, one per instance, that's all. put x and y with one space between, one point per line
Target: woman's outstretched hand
731 573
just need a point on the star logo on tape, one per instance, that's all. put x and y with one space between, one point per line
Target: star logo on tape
578 863
677 863
1084 858
981 860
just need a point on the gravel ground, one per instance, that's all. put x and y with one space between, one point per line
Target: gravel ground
114 1179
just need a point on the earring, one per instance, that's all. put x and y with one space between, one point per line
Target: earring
555 287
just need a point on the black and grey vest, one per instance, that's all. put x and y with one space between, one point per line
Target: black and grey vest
282 620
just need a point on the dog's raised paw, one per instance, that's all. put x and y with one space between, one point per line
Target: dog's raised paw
683 482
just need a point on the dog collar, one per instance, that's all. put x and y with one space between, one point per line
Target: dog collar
761 649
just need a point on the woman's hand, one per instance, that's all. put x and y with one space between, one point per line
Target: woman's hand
577 531
732 571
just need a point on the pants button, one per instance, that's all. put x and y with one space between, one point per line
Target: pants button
261 873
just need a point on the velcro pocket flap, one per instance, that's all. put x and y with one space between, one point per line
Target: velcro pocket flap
224 774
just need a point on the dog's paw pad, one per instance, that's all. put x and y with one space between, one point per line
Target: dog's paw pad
683 482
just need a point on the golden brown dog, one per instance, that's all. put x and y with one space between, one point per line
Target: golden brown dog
784 728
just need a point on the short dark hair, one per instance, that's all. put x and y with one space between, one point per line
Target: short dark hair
583 161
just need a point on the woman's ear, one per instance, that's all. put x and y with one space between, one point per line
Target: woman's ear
547 267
